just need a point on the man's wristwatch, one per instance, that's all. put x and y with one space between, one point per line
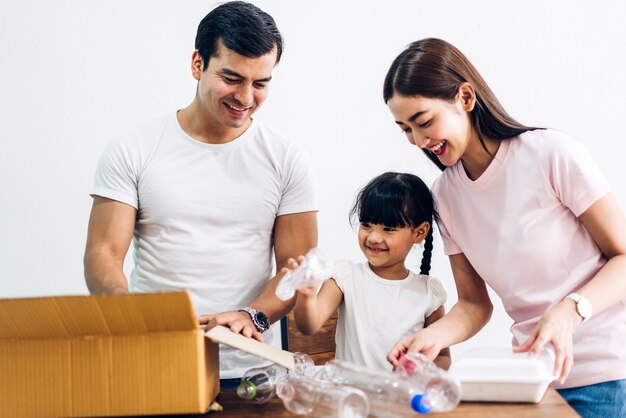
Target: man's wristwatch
583 306
259 319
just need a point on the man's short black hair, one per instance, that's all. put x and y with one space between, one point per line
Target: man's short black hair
242 27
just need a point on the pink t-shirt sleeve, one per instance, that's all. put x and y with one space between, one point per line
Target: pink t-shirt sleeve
572 174
444 218
449 246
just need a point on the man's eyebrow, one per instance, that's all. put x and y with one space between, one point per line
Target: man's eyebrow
226 71
232 73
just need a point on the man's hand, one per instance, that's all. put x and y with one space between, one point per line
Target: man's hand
239 322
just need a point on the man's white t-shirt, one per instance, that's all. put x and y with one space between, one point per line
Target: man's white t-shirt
375 313
206 213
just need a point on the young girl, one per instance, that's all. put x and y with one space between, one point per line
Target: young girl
380 301
527 211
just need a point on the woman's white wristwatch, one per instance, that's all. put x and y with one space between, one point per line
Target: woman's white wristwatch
583 306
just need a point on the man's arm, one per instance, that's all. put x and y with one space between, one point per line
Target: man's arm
294 235
111 226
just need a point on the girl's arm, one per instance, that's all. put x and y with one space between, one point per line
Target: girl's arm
443 359
313 309
465 319
607 226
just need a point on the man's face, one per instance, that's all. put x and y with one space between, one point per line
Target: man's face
232 87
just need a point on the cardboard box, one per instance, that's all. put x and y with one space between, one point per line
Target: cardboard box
104 356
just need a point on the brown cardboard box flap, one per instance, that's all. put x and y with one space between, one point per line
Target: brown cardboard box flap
74 316
224 335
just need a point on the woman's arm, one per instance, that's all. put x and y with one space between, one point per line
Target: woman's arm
465 319
607 226
313 309
443 359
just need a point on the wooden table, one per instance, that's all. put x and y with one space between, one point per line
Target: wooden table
551 406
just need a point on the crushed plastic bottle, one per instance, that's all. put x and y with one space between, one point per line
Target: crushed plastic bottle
391 395
304 395
260 383
313 271
443 390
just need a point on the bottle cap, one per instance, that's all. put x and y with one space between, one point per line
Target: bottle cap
421 403
246 389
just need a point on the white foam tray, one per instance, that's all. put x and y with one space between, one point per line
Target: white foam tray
499 375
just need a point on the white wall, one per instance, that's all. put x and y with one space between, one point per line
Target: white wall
74 73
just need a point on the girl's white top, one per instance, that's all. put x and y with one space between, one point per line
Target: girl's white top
376 312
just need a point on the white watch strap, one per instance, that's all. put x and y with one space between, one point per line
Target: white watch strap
583 306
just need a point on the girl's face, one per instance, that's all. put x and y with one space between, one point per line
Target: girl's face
386 248
439 126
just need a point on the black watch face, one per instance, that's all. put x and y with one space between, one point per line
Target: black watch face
262 320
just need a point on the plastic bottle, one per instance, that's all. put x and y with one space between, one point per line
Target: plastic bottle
260 383
314 269
391 395
304 395
443 390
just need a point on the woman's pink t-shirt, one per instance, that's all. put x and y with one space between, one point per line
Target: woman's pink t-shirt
518 226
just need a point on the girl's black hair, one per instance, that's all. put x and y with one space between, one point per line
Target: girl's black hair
397 200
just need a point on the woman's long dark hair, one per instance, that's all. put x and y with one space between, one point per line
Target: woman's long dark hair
397 200
434 68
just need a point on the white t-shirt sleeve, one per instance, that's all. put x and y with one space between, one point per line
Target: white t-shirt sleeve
341 272
298 183
572 173
437 293
116 176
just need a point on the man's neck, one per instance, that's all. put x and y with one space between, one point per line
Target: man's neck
203 129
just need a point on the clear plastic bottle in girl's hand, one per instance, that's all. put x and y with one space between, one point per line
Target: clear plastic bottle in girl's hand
303 395
443 390
391 395
313 271
259 384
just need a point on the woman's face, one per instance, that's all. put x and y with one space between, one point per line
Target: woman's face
439 126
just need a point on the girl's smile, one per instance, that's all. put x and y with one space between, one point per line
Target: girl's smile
386 248
375 250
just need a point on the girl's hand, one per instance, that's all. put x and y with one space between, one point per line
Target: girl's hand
293 264
307 292
555 327
424 341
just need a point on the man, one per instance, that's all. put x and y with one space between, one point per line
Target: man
207 192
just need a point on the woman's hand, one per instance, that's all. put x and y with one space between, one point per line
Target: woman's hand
424 341
555 328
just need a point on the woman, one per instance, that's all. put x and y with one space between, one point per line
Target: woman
525 210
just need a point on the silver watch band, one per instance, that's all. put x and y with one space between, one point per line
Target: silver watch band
259 319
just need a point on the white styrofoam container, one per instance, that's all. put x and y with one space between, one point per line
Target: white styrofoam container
499 375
